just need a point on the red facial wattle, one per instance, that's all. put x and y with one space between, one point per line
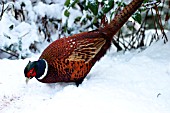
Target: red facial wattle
31 73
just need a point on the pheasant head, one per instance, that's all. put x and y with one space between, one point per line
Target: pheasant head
37 69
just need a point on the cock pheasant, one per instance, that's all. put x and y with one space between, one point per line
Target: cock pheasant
70 59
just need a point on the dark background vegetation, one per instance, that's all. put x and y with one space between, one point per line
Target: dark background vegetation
153 15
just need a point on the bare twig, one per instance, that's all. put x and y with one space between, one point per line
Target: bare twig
10 53
167 17
2 11
155 25
16 55
160 24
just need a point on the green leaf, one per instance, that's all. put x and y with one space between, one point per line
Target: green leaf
67 3
93 6
73 4
66 13
65 28
119 3
137 17
107 7
145 1
77 19
95 21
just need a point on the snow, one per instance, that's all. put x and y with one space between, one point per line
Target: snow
74 14
49 10
134 82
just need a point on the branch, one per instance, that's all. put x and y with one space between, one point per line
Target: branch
2 11
160 24
10 53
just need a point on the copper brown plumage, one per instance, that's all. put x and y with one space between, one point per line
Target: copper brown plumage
70 59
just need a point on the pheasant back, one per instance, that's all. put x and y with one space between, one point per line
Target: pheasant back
70 59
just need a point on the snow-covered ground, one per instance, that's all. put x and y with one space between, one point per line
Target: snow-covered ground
134 82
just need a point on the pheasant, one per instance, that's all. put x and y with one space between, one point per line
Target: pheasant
70 59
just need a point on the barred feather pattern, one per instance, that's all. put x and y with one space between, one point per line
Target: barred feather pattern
71 58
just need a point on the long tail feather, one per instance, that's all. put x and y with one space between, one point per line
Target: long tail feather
111 29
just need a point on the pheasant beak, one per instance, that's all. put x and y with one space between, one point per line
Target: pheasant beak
27 79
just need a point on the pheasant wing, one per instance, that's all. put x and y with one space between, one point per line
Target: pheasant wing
86 49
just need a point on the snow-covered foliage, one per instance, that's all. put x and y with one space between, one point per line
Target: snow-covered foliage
28 26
